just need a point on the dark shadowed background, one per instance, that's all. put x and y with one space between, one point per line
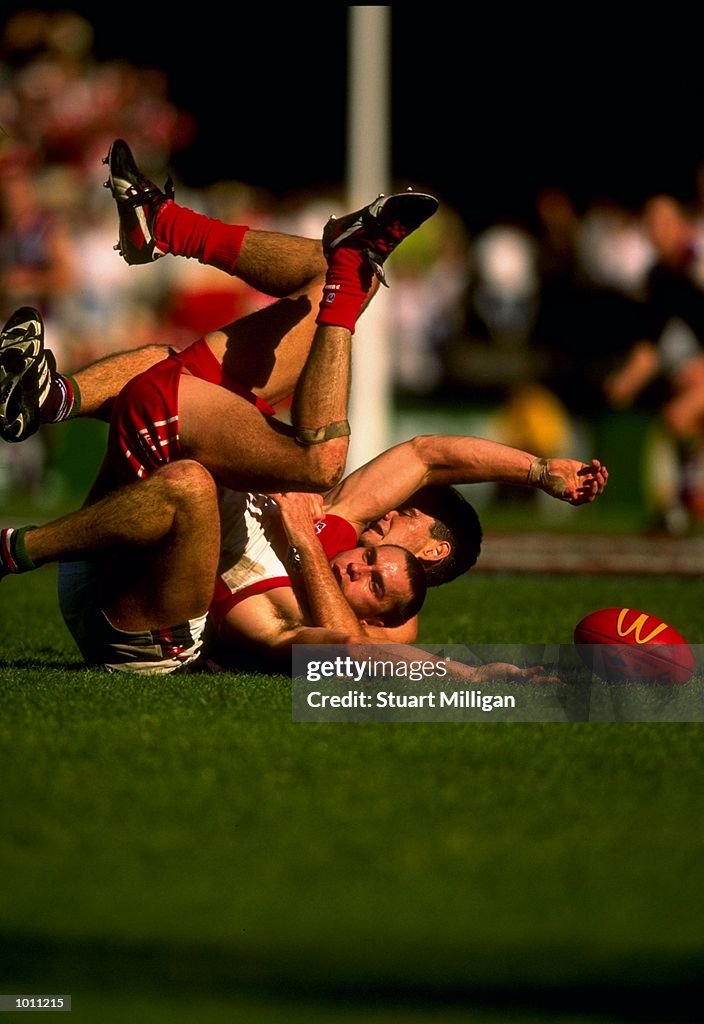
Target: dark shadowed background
486 108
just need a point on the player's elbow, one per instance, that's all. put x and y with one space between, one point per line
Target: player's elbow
422 451
325 464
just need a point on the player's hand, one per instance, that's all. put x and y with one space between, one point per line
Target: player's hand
498 670
569 479
299 512
300 503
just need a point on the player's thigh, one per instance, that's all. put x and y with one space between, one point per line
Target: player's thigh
155 588
266 350
238 444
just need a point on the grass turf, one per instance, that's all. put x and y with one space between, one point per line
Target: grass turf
178 849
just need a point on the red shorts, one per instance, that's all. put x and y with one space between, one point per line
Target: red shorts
144 429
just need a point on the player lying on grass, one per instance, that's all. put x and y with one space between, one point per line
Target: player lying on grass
149 552
427 517
155 549
139 429
267 356
140 566
320 588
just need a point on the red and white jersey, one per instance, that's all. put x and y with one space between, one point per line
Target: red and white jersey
254 553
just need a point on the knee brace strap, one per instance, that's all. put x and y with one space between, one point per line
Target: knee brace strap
316 435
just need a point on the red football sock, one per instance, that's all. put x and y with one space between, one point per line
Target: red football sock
348 279
184 233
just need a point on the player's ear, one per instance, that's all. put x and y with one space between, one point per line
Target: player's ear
435 551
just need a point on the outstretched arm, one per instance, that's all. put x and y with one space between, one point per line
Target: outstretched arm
357 647
392 477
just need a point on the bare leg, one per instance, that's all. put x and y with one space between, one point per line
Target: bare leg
159 541
246 451
100 382
264 351
255 455
279 265
242 448
322 390
267 350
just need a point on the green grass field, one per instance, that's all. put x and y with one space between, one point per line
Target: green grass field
179 849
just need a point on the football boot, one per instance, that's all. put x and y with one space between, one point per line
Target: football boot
26 373
138 200
377 229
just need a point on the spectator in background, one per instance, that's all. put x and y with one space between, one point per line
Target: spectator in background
592 265
60 107
66 106
36 268
496 358
494 352
667 362
36 258
431 276
199 297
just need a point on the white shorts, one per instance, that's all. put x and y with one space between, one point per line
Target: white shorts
168 649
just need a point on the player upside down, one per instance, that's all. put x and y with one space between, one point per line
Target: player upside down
213 405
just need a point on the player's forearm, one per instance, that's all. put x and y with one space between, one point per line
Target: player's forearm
391 478
452 459
328 608
406 654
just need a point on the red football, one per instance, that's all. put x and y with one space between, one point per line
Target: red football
633 645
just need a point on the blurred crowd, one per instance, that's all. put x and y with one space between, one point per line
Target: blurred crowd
548 322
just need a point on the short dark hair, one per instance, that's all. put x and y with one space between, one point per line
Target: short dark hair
457 522
418 579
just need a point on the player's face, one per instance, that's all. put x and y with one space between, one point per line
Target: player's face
373 580
409 528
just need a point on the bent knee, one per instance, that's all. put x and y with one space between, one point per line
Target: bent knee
189 477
